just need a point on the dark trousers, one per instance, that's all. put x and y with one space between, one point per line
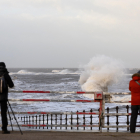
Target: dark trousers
134 112
4 114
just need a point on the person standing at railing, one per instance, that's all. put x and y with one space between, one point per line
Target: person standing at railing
5 82
134 87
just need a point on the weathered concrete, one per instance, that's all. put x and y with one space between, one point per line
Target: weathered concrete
44 135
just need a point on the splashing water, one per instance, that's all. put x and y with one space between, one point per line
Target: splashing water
101 72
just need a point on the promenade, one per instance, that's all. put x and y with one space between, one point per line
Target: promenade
43 135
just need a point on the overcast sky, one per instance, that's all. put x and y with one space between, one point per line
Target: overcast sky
68 33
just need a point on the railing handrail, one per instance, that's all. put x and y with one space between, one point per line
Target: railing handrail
63 113
105 98
59 92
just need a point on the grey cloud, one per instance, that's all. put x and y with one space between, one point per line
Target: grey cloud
65 33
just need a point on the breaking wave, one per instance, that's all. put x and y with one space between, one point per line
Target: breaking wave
25 72
101 72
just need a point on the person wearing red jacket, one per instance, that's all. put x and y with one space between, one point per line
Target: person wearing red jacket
134 87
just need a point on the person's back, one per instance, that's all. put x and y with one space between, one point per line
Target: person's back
4 96
134 87
135 90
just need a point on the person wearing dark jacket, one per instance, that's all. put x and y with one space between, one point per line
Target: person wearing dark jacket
134 87
4 97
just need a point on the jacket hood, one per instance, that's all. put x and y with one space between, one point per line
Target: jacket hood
3 70
2 64
136 78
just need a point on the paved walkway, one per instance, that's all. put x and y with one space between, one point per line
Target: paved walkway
42 135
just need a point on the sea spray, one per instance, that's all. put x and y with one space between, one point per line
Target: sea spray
101 72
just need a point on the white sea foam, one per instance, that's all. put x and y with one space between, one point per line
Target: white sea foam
25 72
65 71
54 71
101 72
22 72
124 98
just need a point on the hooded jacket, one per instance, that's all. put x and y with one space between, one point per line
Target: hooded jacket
5 73
135 91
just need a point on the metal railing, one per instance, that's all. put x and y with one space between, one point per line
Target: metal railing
85 120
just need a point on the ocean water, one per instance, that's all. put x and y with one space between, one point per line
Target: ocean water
59 79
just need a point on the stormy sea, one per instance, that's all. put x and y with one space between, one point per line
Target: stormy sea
100 72
58 79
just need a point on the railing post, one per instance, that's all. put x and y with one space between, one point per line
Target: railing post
108 118
99 98
103 110
100 115
127 107
117 121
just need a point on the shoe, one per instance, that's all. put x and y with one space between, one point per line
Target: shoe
132 132
6 132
